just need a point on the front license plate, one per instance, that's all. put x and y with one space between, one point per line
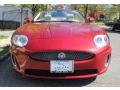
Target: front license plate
62 66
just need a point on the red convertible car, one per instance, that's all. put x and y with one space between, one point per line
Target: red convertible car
58 44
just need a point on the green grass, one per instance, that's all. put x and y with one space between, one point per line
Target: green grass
3 37
100 23
4 50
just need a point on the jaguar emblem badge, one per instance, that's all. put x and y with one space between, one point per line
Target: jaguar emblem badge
61 55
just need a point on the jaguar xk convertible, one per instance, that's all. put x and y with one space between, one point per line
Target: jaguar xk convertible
59 44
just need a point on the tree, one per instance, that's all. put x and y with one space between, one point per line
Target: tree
83 8
34 7
86 11
117 7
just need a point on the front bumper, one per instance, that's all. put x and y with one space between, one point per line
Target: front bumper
41 69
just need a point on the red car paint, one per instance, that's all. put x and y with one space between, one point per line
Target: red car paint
60 36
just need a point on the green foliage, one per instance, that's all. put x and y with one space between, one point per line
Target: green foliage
109 10
35 7
108 23
4 50
3 37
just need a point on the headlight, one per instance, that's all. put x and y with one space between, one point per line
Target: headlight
101 40
20 40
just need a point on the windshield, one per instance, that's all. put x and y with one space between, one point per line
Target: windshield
60 16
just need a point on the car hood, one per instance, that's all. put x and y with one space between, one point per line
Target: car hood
60 36
59 30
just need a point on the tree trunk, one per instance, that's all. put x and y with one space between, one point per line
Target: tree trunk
33 10
119 11
86 11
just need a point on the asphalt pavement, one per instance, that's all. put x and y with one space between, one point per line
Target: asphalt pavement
8 77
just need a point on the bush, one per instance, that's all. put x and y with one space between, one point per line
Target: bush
4 50
3 37
109 23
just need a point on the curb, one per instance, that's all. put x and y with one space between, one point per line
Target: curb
2 58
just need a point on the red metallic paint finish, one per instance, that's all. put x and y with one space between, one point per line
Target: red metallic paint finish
60 36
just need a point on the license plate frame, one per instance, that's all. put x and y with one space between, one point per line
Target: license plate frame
62 66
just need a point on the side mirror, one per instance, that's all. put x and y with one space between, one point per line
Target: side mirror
27 19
